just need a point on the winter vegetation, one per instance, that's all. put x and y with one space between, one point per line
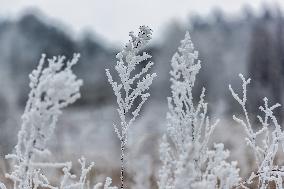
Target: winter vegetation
187 154
133 88
53 87
267 172
188 163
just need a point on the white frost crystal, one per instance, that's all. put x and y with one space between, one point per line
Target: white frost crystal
188 163
131 88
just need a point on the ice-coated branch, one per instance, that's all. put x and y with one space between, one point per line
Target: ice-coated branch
82 180
189 130
242 102
264 152
107 184
53 87
131 88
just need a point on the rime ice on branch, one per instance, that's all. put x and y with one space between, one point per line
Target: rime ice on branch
131 88
265 152
188 163
53 87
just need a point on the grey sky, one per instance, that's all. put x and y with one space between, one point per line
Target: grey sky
112 19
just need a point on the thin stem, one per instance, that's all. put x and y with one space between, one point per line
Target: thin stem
122 164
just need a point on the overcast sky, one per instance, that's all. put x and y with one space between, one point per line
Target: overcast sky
113 19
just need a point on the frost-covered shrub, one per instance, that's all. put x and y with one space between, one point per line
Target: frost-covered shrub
187 161
131 88
53 87
265 151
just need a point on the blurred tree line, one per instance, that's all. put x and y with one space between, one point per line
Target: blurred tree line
249 43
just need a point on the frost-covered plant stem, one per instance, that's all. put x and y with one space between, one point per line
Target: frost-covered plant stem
251 140
133 88
188 163
122 147
52 88
265 152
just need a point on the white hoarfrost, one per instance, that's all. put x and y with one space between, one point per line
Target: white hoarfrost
131 90
265 151
186 160
53 87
